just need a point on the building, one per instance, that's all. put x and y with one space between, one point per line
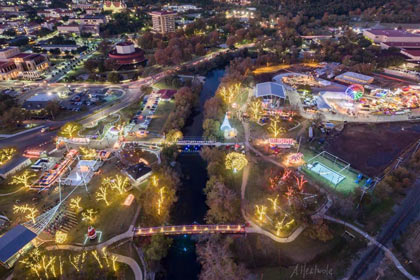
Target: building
14 243
56 13
14 64
181 8
39 101
391 35
62 48
114 6
400 45
89 20
354 78
138 172
75 28
413 55
125 54
163 21
273 95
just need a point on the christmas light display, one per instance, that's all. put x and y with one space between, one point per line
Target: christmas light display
89 215
260 211
256 109
102 194
275 127
75 204
274 203
60 237
30 212
24 179
87 153
6 154
235 161
118 183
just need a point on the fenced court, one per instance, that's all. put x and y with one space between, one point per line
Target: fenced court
331 171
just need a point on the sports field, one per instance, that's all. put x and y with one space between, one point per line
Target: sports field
331 173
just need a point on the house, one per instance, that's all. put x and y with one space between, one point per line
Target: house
138 172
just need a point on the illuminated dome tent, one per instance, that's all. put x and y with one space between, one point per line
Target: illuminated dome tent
228 131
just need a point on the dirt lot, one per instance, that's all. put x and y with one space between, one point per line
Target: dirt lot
370 148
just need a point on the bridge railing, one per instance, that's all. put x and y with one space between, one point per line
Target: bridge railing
189 229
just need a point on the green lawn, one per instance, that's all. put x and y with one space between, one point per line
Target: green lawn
161 115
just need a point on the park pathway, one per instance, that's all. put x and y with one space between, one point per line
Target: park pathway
388 253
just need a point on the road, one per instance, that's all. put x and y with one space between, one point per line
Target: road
405 214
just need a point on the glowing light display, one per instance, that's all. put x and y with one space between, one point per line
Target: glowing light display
160 200
6 154
60 237
70 130
87 153
75 204
89 216
128 200
118 183
355 92
235 161
294 159
260 212
30 212
274 203
102 194
300 182
275 127
255 109
24 179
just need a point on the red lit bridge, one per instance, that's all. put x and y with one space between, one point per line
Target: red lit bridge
189 229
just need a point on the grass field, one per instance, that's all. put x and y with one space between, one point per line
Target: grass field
346 186
160 116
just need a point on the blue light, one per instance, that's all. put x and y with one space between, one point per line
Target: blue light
185 249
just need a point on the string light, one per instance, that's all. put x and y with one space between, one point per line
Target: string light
23 179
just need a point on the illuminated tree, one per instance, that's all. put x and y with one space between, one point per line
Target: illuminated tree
118 183
155 180
24 179
235 161
160 200
229 93
60 237
173 136
30 212
260 211
274 202
74 261
256 109
70 129
89 215
102 194
300 182
278 228
114 259
95 255
275 127
75 204
87 153
38 264
6 154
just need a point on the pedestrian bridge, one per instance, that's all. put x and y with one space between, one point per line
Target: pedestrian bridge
189 229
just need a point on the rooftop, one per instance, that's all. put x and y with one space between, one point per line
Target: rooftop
14 240
392 33
354 75
43 97
270 88
161 13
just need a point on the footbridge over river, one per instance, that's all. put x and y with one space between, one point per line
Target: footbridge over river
190 229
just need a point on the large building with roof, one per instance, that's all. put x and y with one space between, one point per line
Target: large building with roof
354 78
14 64
14 243
273 95
391 35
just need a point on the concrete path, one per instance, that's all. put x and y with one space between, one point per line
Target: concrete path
388 253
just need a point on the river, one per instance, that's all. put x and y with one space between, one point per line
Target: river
181 262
